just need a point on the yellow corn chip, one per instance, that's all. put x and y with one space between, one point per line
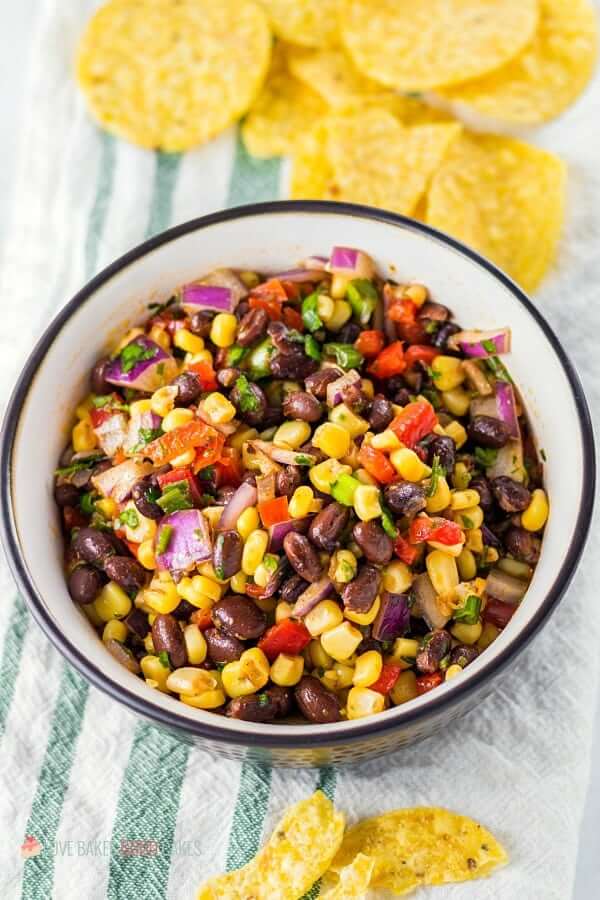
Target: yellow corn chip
311 171
547 76
354 880
280 115
504 198
310 23
421 846
170 76
297 854
414 46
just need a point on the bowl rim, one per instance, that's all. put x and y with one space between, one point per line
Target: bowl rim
328 734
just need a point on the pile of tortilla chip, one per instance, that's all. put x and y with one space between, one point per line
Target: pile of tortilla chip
400 851
368 97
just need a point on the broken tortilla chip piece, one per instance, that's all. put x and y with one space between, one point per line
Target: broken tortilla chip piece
354 880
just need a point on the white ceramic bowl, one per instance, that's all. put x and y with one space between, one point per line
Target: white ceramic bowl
271 237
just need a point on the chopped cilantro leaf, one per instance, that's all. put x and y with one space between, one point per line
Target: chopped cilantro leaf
543 454
432 327
79 465
164 659
248 401
235 354
133 353
486 456
263 700
498 369
437 471
387 522
467 522
489 346
146 435
303 460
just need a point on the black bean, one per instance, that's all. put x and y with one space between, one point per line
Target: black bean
436 645
66 494
227 377
402 397
359 595
227 554
302 405
183 611
355 398
512 496
241 309
292 589
302 556
488 432
463 654
315 702
272 703
376 545
434 311
294 364
85 583
381 413
126 572
445 449
255 415
327 526
167 637
188 388
405 498
240 617
123 655
440 338
347 334
201 323
97 381
138 624
143 493
252 327
93 545
486 499
522 545
317 383
288 480
222 647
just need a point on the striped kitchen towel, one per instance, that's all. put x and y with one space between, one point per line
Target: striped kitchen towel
113 808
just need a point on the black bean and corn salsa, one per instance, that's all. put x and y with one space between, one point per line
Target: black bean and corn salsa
305 494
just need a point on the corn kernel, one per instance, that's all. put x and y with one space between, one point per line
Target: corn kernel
240 437
107 507
83 437
250 279
367 504
343 415
467 565
292 434
248 522
343 566
162 401
184 459
112 602
467 634
341 642
160 336
342 311
338 677
332 439
364 477
149 643
287 670
474 540
205 700
516 568
325 615
223 329
364 702
319 658
255 548
128 337
339 285
246 675
301 502
442 571
408 465
464 499
262 575
283 610
448 372
139 407
457 432
142 529
218 408
461 477
198 590
469 518
189 680
440 498
205 356
397 577
456 401
452 672
155 673
325 307
324 474
83 410
238 583
535 516
488 635
405 648
161 597
385 440
418 293
176 418
405 688
365 618
114 630
187 341
367 668
195 644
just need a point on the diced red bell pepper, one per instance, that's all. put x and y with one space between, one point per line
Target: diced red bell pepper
209 452
377 464
183 474
292 318
206 375
498 613
270 305
420 353
404 314
195 434
428 682
274 511
291 289
404 551
370 343
389 362
387 679
438 529
272 288
288 636
229 468
414 422
202 618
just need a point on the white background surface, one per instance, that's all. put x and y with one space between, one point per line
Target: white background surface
15 27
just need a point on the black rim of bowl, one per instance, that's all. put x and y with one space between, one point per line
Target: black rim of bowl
371 727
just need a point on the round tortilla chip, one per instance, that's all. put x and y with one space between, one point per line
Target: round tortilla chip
311 172
170 76
547 76
416 46
504 198
310 23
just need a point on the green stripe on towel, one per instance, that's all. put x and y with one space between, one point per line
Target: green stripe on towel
252 180
99 211
12 650
165 179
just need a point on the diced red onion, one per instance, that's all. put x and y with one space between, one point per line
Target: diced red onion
509 461
472 342
278 532
244 497
145 375
265 485
426 602
505 587
189 541
286 457
112 433
313 594
351 262
507 408
118 481
335 388
315 262
274 582
490 539
147 420
206 296
300 275
393 617
227 278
